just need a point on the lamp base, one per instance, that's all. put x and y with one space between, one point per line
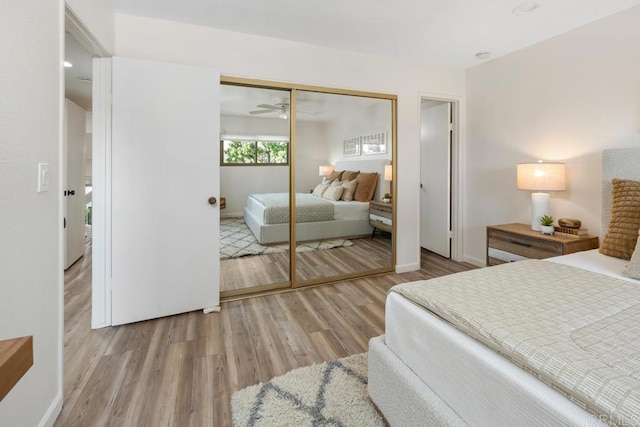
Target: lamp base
539 207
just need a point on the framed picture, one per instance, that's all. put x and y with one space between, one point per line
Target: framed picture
352 146
375 143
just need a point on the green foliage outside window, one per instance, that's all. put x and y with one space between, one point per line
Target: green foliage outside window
239 152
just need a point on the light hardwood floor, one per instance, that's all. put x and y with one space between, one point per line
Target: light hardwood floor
181 370
245 272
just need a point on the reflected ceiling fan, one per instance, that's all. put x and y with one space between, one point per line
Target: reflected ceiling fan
282 108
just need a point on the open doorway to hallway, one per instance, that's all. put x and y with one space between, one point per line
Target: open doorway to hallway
438 124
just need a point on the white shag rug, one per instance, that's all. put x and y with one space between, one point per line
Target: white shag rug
236 240
327 394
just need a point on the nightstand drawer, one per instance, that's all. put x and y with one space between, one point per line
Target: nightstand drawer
519 240
380 213
522 245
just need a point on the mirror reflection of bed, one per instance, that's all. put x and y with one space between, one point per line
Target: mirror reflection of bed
333 235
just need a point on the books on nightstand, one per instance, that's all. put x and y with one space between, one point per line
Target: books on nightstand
571 232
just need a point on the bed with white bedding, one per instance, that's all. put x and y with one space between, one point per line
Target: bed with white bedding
267 215
498 362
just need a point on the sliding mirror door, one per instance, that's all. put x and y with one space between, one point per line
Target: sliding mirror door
254 173
343 168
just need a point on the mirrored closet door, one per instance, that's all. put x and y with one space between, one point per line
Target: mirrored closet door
343 170
254 174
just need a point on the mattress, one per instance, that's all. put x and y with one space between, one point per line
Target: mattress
337 210
430 347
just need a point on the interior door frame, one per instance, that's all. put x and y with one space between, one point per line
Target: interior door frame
457 168
293 88
101 136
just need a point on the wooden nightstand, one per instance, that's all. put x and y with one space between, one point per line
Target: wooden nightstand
513 242
381 216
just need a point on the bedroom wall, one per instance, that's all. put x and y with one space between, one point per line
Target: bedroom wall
30 225
565 99
258 57
311 152
360 123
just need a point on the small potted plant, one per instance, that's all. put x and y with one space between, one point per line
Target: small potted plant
546 225
386 198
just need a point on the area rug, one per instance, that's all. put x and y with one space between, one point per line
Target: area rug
236 240
327 394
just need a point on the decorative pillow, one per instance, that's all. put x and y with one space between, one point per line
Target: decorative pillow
349 175
366 186
336 183
633 268
349 190
319 190
333 193
625 219
335 175
326 180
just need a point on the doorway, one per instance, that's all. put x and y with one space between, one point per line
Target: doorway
437 140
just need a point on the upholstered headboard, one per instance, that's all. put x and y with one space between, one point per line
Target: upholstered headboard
621 163
367 166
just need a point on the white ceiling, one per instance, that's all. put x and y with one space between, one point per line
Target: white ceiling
439 32
311 106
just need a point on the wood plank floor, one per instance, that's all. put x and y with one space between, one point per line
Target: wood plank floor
245 272
181 370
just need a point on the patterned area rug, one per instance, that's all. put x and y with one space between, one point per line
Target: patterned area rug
329 394
236 240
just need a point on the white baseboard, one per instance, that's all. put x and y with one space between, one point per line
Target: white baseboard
232 215
475 261
52 413
405 268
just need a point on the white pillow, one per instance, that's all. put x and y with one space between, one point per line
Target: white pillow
633 268
333 193
336 183
326 180
349 189
320 189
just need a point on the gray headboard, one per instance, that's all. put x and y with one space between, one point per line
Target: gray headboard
621 163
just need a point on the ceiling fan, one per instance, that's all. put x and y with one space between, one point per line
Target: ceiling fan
280 107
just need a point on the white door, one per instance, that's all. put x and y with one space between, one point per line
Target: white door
73 146
435 177
165 167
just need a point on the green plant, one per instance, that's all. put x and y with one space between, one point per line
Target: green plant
387 195
546 220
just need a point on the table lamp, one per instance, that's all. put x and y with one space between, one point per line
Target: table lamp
540 177
388 175
325 170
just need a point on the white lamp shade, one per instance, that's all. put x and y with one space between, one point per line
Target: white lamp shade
541 176
388 172
325 170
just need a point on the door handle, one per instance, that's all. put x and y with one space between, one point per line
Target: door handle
72 192
64 222
213 201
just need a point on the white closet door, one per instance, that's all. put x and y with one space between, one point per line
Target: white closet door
165 167
435 173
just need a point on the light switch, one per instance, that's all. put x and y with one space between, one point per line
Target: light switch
43 177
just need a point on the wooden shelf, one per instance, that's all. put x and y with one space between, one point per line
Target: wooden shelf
16 357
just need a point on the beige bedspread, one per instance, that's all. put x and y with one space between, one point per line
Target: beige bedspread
309 208
577 331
